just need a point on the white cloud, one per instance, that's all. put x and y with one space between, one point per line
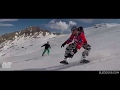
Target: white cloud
4 20
72 23
52 21
7 20
60 25
1 24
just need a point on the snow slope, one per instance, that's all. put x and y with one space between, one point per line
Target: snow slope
104 55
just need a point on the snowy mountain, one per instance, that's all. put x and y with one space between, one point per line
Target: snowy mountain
25 52
32 31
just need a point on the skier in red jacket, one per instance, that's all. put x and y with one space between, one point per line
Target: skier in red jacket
79 41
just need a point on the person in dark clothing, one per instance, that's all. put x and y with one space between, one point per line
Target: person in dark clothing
47 48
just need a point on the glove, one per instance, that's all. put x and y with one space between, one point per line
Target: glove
63 44
85 45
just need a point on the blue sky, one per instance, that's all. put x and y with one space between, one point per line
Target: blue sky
53 25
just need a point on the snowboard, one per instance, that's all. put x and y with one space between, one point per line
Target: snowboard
64 62
85 61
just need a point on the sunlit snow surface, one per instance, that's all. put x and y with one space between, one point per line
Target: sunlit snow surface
25 53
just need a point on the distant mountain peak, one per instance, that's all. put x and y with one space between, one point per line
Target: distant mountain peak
32 31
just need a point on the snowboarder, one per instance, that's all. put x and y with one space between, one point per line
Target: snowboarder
79 41
47 48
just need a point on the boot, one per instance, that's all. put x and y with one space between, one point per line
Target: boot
84 61
65 61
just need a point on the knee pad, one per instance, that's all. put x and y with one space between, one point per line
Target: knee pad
85 53
88 48
69 56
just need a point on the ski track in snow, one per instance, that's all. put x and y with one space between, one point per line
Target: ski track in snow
60 67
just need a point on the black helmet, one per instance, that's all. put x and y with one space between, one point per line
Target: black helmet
81 29
73 28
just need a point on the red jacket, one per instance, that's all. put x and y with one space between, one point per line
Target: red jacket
79 39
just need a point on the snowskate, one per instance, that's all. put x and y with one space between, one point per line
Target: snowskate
84 61
64 62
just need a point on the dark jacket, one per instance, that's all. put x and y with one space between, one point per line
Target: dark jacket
46 46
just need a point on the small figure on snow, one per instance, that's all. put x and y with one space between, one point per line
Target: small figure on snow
80 40
47 48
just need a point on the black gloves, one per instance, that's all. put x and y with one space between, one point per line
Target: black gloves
63 44
85 45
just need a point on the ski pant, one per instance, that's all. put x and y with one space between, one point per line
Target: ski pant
48 51
71 50
86 52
